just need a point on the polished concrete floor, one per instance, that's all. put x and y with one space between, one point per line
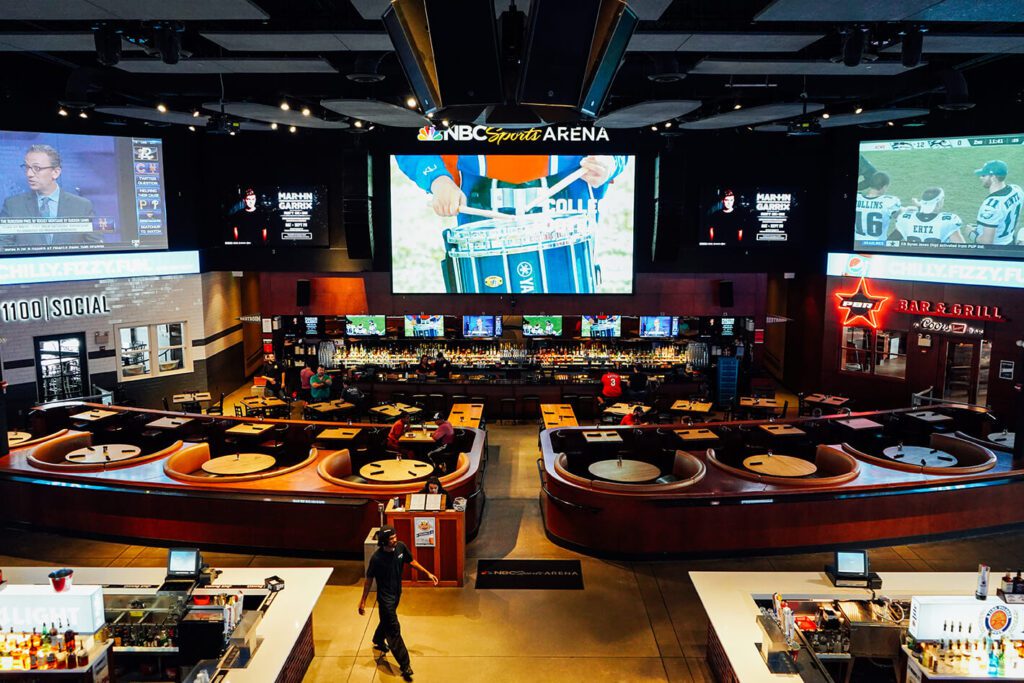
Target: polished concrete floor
635 621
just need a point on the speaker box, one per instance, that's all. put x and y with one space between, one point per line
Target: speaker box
302 293
725 293
356 210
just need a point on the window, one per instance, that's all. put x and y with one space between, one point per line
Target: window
152 351
878 352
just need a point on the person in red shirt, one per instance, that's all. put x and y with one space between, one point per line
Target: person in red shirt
634 418
397 429
611 387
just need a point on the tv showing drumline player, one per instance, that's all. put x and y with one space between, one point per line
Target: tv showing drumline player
542 326
512 224
601 326
424 326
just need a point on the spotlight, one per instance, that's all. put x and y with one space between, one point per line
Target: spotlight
192 128
273 126
82 115
231 133
853 45
668 124
108 44
167 38
358 124
62 111
305 111
285 106
889 123
195 113
912 43
825 115
444 122
371 127
737 106
411 103
858 110
162 108
430 114
292 129
654 128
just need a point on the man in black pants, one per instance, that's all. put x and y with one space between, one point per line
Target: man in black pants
386 567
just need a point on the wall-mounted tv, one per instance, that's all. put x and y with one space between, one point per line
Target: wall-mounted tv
365 326
277 216
424 326
748 216
655 326
943 196
601 326
512 224
62 193
481 326
542 325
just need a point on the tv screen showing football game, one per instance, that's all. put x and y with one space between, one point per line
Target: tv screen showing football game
481 326
63 193
542 325
512 224
424 326
276 216
941 196
744 216
601 326
365 326
658 326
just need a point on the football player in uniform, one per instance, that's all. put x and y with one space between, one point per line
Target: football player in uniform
999 213
875 208
928 224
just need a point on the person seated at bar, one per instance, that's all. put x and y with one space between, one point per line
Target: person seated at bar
638 384
426 367
394 436
320 385
351 393
635 418
611 387
442 366
433 487
444 436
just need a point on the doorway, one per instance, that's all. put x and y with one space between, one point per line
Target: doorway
62 370
965 370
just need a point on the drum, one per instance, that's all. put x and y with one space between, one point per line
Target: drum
537 253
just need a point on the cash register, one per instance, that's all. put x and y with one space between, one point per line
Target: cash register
850 570
184 569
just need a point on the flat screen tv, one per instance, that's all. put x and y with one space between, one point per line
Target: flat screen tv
601 326
365 326
63 193
276 216
655 326
424 326
511 224
749 216
941 196
542 325
481 326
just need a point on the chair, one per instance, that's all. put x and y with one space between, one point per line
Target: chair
239 412
167 406
530 407
507 409
217 408
801 405
276 441
781 414
438 403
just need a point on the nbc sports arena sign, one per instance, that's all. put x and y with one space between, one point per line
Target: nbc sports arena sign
985 273
496 136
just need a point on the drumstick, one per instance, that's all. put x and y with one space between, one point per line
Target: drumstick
556 188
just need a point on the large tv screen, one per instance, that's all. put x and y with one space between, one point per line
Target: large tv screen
745 216
542 325
277 216
601 326
481 326
656 326
501 224
62 193
365 326
941 196
424 326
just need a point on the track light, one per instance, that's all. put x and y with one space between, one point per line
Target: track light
430 114
292 129
162 108
62 111
411 102
82 115
737 106
192 128
911 46
285 106
167 38
231 133
957 97
889 123
825 115
853 45
305 111
273 126
444 122
858 110
358 124
654 128
108 44
195 113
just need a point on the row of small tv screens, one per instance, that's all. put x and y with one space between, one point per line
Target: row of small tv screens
489 326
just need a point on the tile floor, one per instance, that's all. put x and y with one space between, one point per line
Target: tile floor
635 621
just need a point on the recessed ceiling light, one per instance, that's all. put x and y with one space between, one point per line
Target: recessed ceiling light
285 106
411 103
889 123
358 124
195 113
430 115
231 132
192 128
654 128
292 129
62 111
858 110
737 106
668 124
82 115
825 115
273 126
305 111
162 108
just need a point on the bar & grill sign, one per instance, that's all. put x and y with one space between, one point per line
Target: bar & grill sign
53 308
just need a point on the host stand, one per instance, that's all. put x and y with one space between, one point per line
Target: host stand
437 539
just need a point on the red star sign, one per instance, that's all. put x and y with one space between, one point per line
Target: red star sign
860 303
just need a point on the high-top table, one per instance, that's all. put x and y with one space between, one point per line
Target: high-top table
417 435
696 407
339 433
93 415
558 415
602 436
249 429
97 455
623 409
827 400
782 430
466 415
395 409
325 407
169 422
929 416
696 434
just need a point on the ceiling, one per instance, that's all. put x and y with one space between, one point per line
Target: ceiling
710 55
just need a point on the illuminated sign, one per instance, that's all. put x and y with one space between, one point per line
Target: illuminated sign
941 309
497 135
28 270
959 328
54 308
946 271
860 304
24 607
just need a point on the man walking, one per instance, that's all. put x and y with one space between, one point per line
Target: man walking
386 567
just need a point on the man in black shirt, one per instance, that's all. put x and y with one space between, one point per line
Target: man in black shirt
386 567
638 384
442 367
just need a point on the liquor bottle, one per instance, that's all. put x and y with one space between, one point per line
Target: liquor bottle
35 640
33 654
1006 583
69 637
1018 584
981 592
72 657
83 656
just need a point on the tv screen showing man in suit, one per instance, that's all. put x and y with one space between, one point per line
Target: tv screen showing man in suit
64 193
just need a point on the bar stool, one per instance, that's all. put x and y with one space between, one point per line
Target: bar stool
438 403
530 407
507 409
479 399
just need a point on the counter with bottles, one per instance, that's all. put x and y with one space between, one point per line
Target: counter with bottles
142 634
985 641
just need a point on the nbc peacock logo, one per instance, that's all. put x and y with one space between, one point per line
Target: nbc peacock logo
428 133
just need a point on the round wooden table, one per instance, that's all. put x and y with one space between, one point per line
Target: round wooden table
626 471
1001 438
243 463
779 465
920 455
391 471
14 438
97 455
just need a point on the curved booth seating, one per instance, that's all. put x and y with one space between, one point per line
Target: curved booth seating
39 439
49 455
335 467
187 465
993 446
971 457
834 467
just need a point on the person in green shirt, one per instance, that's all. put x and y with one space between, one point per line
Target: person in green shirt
320 385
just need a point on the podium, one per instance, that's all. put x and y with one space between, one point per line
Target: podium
442 539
